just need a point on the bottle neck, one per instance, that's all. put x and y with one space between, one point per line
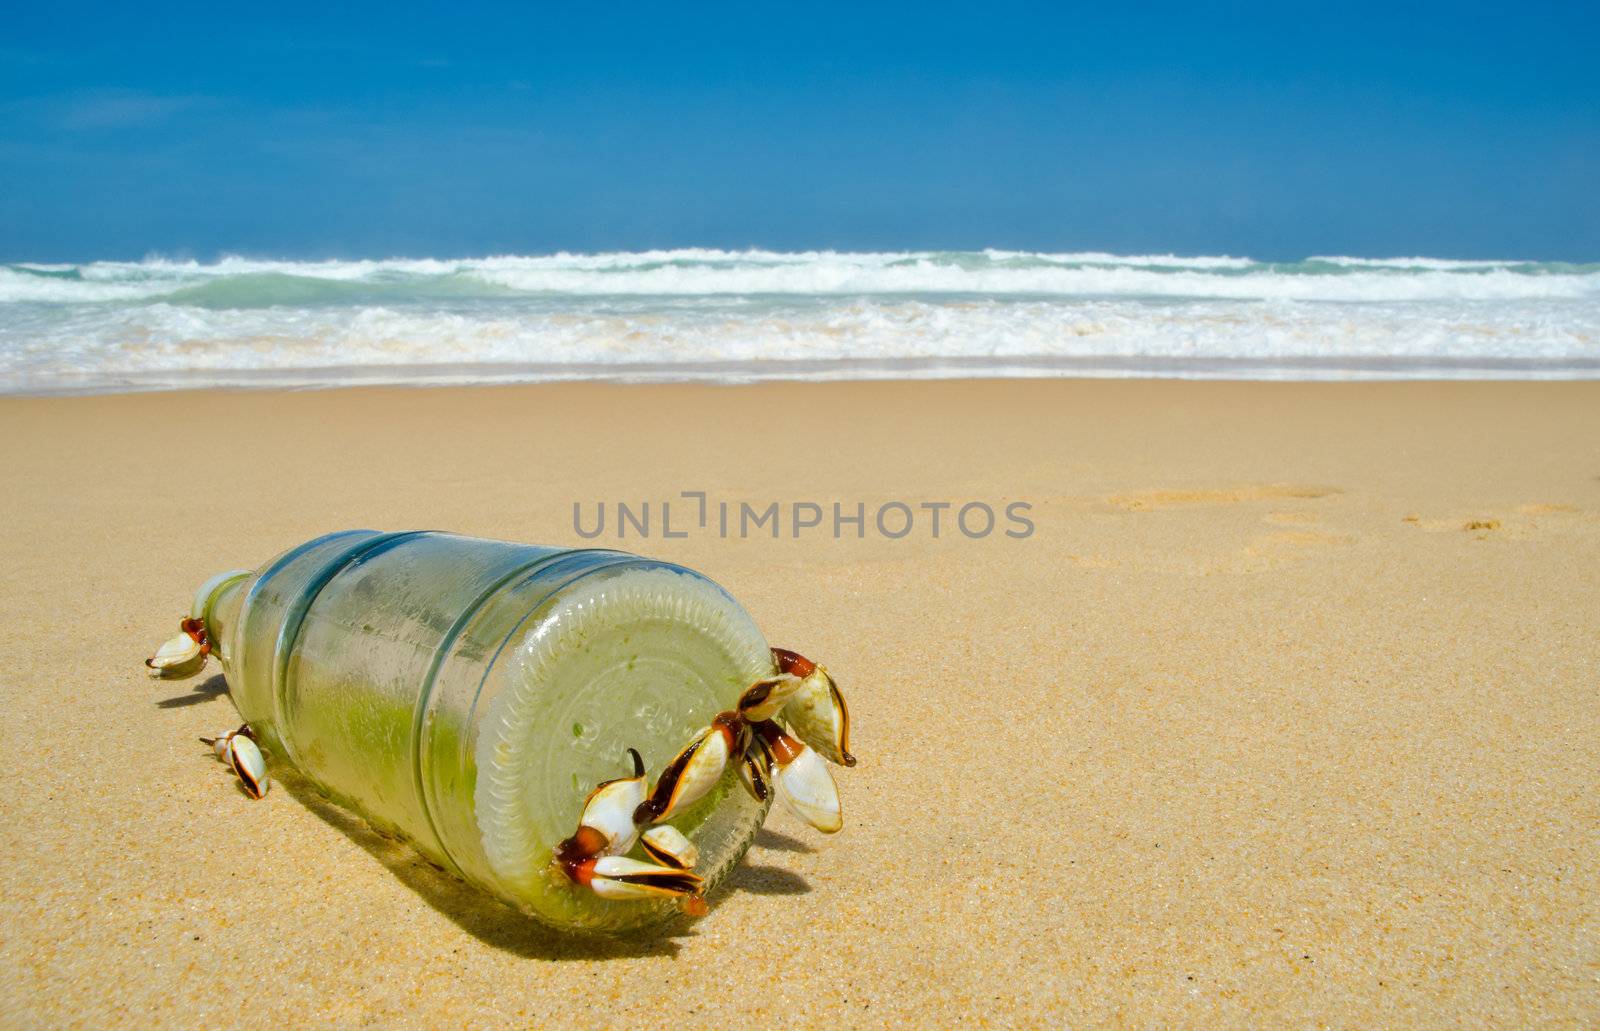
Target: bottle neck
217 602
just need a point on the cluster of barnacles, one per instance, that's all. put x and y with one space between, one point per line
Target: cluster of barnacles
182 655
238 749
784 759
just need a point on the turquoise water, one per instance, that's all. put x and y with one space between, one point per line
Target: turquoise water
732 316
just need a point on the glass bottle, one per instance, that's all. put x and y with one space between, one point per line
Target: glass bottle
468 694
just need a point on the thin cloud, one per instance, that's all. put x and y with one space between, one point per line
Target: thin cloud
107 109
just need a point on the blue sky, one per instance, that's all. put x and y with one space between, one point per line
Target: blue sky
1275 131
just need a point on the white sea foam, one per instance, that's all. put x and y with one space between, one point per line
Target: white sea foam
748 314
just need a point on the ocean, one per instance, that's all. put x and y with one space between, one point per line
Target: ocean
738 316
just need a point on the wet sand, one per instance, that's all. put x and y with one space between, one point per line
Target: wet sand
1287 710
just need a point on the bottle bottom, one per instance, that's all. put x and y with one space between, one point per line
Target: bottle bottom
623 658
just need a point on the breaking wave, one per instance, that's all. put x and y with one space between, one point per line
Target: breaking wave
738 315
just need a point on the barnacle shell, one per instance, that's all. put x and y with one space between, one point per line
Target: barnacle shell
807 788
610 808
762 699
618 877
249 764
818 716
692 773
178 655
668 846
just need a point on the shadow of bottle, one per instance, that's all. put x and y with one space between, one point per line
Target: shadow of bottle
498 925
485 917
208 689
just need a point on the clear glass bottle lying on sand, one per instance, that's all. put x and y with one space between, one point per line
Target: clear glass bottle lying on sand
468 694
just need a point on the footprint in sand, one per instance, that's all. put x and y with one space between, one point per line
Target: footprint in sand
1300 537
1521 522
1292 518
1284 548
1150 500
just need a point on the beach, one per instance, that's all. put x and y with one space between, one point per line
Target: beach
1285 709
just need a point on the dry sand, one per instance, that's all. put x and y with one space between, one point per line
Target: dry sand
1289 710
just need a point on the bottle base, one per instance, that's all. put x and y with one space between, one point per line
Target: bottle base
638 656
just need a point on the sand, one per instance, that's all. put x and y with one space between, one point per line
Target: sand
1288 710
